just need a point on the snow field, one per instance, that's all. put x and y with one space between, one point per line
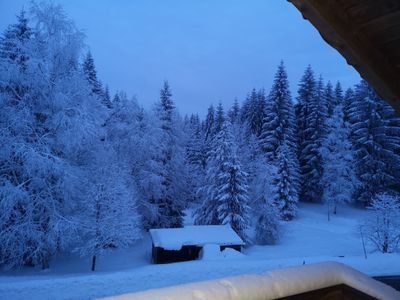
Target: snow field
308 239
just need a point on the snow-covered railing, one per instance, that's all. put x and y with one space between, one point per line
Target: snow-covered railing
271 285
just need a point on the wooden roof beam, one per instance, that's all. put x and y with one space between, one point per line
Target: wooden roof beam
343 34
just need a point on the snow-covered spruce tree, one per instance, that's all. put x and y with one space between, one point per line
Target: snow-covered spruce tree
279 122
339 179
338 94
219 118
232 196
234 112
13 42
249 150
14 48
209 124
146 165
208 129
329 99
382 226
221 152
133 137
376 137
311 118
347 99
107 98
261 174
195 156
172 158
286 197
116 100
252 112
90 72
46 134
194 146
280 127
225 195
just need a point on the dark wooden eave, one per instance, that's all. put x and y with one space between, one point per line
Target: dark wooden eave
366 33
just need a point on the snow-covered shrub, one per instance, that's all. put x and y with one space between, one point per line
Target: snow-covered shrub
268 227
382 227
109 217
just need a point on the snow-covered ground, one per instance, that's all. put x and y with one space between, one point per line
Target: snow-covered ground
310 238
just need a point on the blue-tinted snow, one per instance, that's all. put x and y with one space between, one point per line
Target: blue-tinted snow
308 239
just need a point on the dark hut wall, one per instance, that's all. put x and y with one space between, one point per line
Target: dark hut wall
186 253
366 33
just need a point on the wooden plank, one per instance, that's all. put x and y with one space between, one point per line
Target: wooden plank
366 11
336 292
381 26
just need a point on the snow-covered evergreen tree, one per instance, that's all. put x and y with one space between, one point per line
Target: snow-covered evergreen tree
209 124
329 99
220 153
107 98
279 122
286 197
347 99
225 194
219 118
234 112
194 146
376 136
196 157
311 116
252 112
143 143
90 72
13 42
339 97
173 175
339 179
278 134
232 196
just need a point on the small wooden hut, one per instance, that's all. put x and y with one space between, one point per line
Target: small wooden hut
183 244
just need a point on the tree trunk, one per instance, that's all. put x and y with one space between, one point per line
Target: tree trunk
93 263
385 246
329 212
45 264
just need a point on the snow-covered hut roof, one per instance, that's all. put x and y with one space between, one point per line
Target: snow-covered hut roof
275 284
200 235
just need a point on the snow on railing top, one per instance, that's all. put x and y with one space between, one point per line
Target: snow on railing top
271 285
175 238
